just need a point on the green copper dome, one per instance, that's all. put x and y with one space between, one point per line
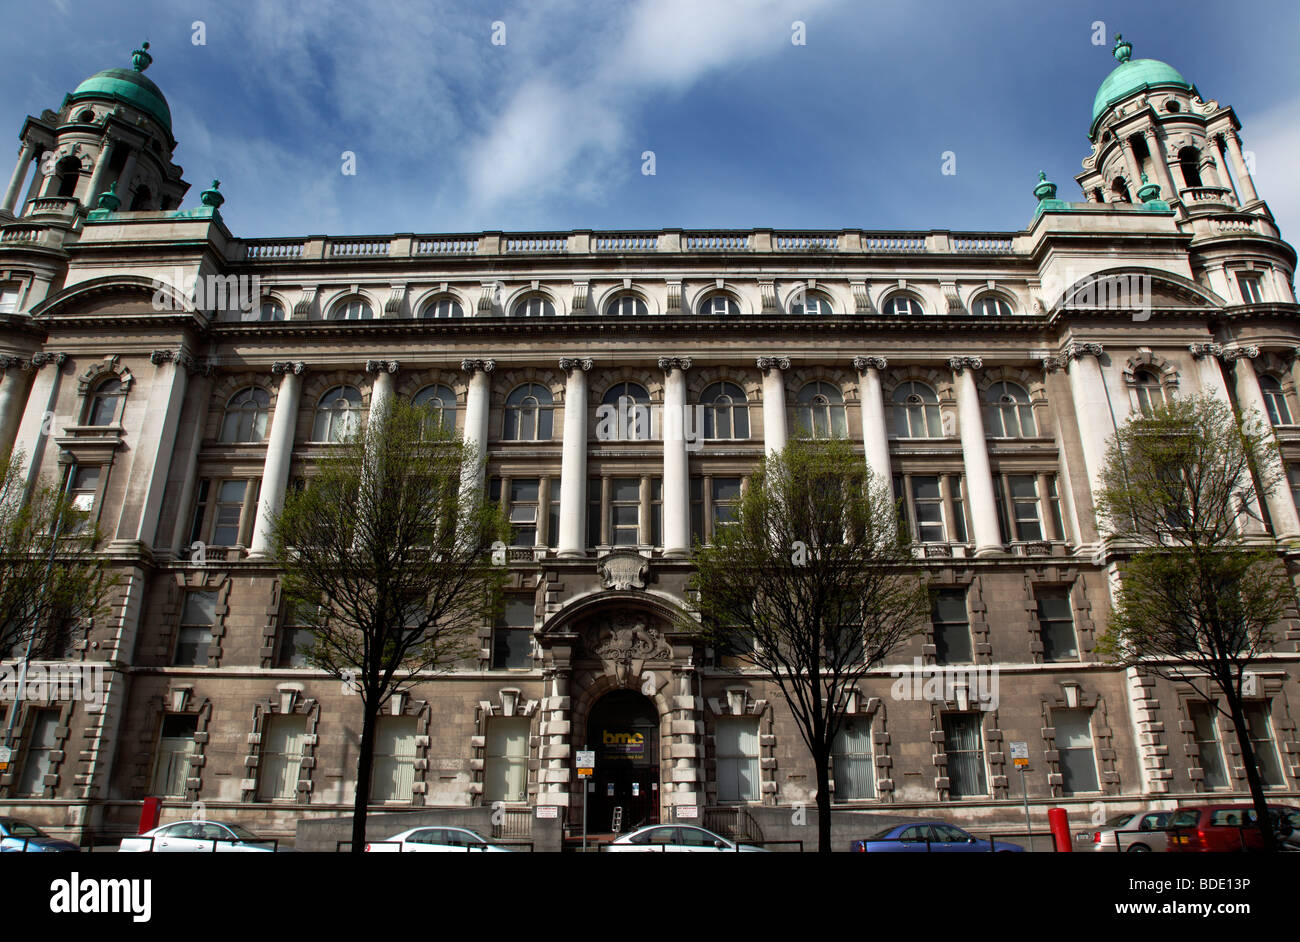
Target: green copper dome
129 86
1133 75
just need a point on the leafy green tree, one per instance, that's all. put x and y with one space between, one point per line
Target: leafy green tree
813 583
1198 600
388 560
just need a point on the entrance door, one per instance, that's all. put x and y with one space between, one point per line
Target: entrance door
623 729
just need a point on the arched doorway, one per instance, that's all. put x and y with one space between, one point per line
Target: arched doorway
623 729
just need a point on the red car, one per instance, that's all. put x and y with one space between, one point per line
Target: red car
1225 828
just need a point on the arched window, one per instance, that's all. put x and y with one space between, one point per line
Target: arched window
528 414
626 305
726 411
351 309
903 305
105 404
1149 390
631 405
1279 413
534 306
245 418
992 305
440 403
916 412
814 305
820 411
1009 413
67 172
443 307
719 305
1120 190
143 200
1189 162
338 415
271 311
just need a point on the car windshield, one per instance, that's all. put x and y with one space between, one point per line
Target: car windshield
1118 820
21 829
883 835
1184 819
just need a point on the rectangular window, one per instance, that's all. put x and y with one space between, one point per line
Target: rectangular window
952 638
1074 746
1251 289
1261 743
394 769
175 746
1024 507
737 752
1293 477
40 753
852 765
523 511
294 645
958 508
280 757
200 510
505 771
593 512
1056 625
197 618
726 494
229 510
625 511
963 738
82 492
697 510
656 511
512 640
1206 734
1054 507
927 509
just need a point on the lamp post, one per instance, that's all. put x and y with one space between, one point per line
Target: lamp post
20 693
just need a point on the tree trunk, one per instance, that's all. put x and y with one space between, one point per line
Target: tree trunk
365 762
823 800
1262 819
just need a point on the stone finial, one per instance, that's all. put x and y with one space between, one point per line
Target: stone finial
140 58
1046 189
1123 50
212 195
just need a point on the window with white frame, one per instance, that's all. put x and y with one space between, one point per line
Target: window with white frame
534 306
992 305
245 416
198 616
929 516
726 412
8 300
270 311
228 513
1205 733
963 746
916 412
736 738
1056 624
439 405
903 305
1260 726
1150 392
394 768
512 638
505 767
719 305
813 305
175 746
443 307
1077 758
280 757
1251 287
626 305
853 766
632 419
41 746
351 309
1020 493
338 415
83 489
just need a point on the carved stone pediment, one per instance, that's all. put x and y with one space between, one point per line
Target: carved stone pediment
623 570
624 642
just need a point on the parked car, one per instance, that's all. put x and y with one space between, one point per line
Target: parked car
677 839
1229 828
436 840
197 837
920 837
1138 832
17 836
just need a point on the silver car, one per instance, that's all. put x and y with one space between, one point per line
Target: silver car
676 838
197 837
1134 833
435 840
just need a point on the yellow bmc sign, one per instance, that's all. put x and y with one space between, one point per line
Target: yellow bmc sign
627 744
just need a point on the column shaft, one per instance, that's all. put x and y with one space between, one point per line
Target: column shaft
975 457
775 432
16 181
279 454
1281 507
573 463
676 502
875 430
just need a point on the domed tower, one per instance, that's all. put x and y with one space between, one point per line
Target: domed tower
112 135
1151 128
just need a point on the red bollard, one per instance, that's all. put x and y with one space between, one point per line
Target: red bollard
150 812
1060 823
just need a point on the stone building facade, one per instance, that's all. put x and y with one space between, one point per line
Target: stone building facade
179 379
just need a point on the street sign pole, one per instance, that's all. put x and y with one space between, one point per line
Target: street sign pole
1025 791
586 768
1020 756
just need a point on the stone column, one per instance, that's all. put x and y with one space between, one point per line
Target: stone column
573 463
13 387
775 432
381 393
975 457
477 405
1281 507
38 418
676 504
1169 190
875 430
1130 160
1212 382
1092 410
101 168
38 178
16 181
124 180
279 453
1244 182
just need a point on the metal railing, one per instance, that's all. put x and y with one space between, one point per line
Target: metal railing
404 848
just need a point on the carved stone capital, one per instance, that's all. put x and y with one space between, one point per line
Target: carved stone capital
1236 353
382 366
862 364
668 364
475 366
772 363
182 359
297 368
958 364
12 363
41 358
1202 350
1076 351
569 364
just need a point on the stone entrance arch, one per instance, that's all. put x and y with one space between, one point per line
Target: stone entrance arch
621 640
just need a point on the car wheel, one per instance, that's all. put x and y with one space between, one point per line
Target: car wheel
1139 848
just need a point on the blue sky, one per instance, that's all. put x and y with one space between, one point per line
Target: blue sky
453 133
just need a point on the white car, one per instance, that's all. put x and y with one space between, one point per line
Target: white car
1133 833
197 837
677 839
436 840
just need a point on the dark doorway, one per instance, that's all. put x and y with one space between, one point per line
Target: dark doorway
623 729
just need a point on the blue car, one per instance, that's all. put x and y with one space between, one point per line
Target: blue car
935 837
17 836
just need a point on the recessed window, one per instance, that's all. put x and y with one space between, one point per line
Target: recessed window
534 306
1009 414
1149 390
820 411
105 404
813 305
1056 625
627 416
8 300
626 305
175 746
1074 746
86 117
395 753
82 492
854 766
903 305
952 638
963 739
271 311
195 636
245 418
528 414
916 412
736 738
280 757
1262 743
443 307
726 412
719 305
1206 735
512 638
991 305
1279 413
338 415
439 404
1252 291
505 769
352 309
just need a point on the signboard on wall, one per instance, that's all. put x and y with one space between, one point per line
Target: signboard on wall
623 744
688 811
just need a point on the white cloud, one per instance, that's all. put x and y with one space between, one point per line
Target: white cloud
1274 138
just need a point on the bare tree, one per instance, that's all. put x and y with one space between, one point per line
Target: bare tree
814 584
388 560
1198 600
